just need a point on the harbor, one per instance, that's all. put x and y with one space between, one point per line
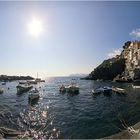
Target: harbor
69 70
82 112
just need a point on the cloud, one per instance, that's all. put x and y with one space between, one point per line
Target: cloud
135 33
114 53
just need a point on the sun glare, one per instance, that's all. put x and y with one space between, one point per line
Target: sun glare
35 27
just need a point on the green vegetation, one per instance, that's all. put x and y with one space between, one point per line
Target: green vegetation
108 70
126 44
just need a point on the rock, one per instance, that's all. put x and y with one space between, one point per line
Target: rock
108 70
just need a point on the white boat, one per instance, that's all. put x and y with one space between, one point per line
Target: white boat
72 88
135 86
97 91
118 90
23 88
34 94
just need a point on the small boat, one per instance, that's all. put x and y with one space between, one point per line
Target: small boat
97 91
23 88
118 90
34 94
72 88
135 86
105 90
62 89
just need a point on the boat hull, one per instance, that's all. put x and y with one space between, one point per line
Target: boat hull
73 90
33 97
118 90
21 89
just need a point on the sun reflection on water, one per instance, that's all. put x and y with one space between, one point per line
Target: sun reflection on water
37 123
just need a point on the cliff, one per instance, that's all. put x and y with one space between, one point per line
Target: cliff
124 67
108 69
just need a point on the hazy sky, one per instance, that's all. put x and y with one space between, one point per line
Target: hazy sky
75 36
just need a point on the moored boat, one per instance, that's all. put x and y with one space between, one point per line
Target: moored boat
97 91
23 88
136 86
118 90
72 88
34 94
106 90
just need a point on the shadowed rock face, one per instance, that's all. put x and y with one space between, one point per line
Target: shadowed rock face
108 70
137 74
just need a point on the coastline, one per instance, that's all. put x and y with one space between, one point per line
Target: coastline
6 78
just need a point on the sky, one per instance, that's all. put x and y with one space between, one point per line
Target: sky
74 37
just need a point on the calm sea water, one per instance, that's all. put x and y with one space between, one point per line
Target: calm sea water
66 116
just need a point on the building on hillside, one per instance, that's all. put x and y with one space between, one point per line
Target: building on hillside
131 54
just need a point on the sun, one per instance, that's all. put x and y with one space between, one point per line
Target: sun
35 27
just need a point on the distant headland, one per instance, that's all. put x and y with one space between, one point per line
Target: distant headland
12 78
122 68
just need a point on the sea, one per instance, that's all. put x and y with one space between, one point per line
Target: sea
58 115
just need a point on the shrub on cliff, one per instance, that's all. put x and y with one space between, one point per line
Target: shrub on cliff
108 70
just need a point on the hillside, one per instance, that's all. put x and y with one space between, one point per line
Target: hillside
108 70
